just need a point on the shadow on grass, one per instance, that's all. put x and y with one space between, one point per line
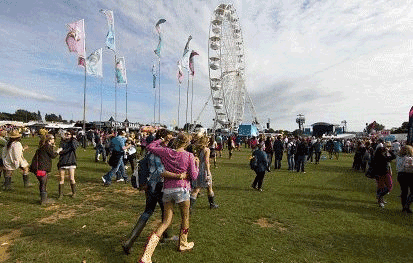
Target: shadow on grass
368 209
86 243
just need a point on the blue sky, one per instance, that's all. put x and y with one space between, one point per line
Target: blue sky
329 60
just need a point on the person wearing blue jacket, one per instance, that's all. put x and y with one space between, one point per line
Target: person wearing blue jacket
261 167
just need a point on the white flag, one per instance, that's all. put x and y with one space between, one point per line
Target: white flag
94 63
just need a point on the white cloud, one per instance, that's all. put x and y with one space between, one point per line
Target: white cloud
13 91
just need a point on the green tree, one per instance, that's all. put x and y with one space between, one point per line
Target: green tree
402 129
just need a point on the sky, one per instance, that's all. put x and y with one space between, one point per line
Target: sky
331 61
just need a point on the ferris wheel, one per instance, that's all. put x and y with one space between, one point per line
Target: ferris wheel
226 67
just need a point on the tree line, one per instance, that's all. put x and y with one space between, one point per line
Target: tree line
26 116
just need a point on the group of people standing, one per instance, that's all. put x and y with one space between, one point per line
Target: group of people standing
374 156
13 159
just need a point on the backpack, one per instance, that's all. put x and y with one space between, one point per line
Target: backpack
139 179
253 163
370 171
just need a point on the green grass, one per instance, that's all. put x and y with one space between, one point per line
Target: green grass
328 214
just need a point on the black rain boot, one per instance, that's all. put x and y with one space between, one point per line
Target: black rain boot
44 200
136 231
7 183
60 191
26 181
212 204
73 186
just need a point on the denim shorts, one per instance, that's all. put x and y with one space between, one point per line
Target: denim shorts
177 197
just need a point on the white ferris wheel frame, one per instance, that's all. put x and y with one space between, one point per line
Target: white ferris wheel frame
227 68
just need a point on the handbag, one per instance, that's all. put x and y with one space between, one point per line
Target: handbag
40 173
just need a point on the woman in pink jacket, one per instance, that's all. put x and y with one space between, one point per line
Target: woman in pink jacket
176 189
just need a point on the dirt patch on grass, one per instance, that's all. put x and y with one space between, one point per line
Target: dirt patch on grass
263 222
65 214
129 191
5 242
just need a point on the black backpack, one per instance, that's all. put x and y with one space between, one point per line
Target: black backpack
140 177
370 173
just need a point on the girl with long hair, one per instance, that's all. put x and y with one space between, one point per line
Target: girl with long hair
42 165
67 161
176 190
204 179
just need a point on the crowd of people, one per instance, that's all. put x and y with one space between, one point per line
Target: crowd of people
179 166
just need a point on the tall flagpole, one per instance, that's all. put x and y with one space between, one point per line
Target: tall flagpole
126 100
154 107
192 99
179 101
159 95
116 106
101 102
187 102
84 111
84 92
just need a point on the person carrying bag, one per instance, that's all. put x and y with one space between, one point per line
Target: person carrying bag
42 165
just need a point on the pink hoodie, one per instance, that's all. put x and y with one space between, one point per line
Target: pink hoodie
175 162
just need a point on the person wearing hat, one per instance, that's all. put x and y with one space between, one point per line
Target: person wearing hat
13 159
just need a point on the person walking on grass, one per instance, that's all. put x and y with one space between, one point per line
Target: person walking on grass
204 179
291 149
13 159
153 192
317 151
213 150
100 149
117 149
278 148
260 168
404 166
41 165
382 169
301 152
230 145
269 150
67 161
176 190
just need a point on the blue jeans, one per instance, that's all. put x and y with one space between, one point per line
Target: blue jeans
100 150
291 161
153 196
119 170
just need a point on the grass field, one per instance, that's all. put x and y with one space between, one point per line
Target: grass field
328 214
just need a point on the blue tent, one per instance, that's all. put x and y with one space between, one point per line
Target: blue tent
247 130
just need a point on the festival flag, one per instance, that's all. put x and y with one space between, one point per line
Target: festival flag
191 62
410 128
158 25
94 63
180 74
120 70
185 56
154 75
75 40
158 29
158 48
110 36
